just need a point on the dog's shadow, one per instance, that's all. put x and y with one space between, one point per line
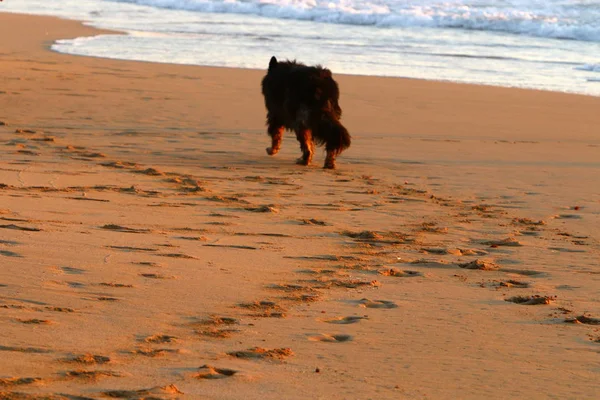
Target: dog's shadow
241 160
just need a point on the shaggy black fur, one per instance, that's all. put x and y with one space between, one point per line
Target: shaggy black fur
304 99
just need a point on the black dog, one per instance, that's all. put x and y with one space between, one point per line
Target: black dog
304 99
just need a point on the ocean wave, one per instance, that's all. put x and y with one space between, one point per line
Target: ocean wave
576 20
589 67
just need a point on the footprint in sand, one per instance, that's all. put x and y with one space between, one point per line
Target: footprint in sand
319 271
118 164
160 339
92 155
531 300
149 171
220 223
29 131
33 350
568 216
442 251
569 235
265 308
147 264
595 339
194 238
212 327
35 321
512 283
377 303
224 199
105 298
302 297
583 319
217 321
567 287
129 248
324 337
20 228
431 227
154 352
9 382
345 320
313 221
531 231
379 237
525 272
8 253
399 273
261 353
480 265
528 222
71 284
82 198
289 287
210 372
67 270
473 252
566 250
231 246
426 262
59 309
167 245
325 257
216 333
91 375
177 255
152 393
157 276
352 283
115 285
28 152
87 359
268 208
119 228
510 242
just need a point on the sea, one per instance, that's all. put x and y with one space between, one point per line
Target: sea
540 44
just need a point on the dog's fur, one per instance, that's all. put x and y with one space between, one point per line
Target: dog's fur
304 99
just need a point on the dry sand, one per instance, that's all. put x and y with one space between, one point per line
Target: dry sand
149 244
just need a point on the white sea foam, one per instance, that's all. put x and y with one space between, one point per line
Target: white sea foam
589 67
575 20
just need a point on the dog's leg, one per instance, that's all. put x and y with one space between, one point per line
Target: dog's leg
276 133
336 138
307 146
330 160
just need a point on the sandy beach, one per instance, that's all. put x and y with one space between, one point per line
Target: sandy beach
151 249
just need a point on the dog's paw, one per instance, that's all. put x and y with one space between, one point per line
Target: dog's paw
329 165
271 151
302 161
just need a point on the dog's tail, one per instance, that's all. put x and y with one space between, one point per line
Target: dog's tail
334 135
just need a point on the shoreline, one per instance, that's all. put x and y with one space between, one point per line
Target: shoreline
483 98
117 32
150 247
